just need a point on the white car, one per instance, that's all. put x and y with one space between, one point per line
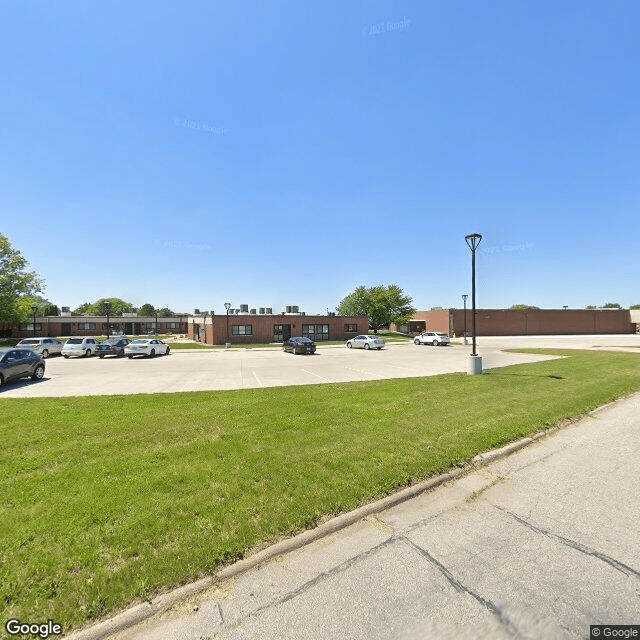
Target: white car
44 346
433 337
146 347
81 347
365 342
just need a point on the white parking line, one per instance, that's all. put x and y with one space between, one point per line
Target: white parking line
317 376
367 373
255 375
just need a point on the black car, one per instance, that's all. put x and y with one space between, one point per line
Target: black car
112 347
299 345
20 363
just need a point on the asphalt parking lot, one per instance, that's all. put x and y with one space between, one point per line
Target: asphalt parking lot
204 370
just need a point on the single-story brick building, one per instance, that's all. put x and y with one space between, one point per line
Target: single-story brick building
506 322
260 328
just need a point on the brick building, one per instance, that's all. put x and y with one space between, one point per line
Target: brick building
264 328
505 322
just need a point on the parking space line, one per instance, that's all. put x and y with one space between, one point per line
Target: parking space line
255 375
367 373
317 376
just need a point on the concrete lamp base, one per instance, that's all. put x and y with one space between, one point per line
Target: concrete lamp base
474 365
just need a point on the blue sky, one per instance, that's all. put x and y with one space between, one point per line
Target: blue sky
282 153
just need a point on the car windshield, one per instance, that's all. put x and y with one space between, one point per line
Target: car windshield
32 341
74 341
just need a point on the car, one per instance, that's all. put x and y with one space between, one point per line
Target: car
299 344
149 347
112 347
19 363
44 346
435 338
365 342
81 347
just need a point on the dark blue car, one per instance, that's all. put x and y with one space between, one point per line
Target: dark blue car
299 345
112 347
20 363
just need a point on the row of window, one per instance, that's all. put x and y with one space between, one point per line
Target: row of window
92 326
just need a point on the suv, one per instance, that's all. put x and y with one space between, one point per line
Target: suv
19 363
44 346
79 347
433 337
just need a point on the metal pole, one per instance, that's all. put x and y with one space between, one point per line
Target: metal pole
473 298
464 298
227 306
34 320
156 324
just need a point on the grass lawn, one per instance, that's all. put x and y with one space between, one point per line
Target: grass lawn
106 500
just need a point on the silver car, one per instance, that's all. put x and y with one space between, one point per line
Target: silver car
433 337
365 342
44 346
81 347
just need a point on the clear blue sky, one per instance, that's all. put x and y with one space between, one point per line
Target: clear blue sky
280 153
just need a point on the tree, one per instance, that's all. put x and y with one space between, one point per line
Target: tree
117 307
612 305
17 285
147 310
635 306
382 305
83 308
522 307
165 312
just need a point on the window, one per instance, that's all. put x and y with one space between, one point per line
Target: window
351 328
29 327
317 332
241 330
277 333
172 325
86 326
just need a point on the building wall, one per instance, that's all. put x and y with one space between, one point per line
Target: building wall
213 329
425 321
62 326
503 322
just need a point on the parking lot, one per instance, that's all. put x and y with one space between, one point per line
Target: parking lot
204 370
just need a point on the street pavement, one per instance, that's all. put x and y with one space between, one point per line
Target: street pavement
538 544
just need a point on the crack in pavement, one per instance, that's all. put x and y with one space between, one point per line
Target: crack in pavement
616 564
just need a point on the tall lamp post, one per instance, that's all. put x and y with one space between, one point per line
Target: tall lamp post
227 306
475 361
107 306
34 309
156 323
464 300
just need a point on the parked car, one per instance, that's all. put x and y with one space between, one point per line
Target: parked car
299 345
112 347
433 337
365 342
146 347
44 346
81 347
20 363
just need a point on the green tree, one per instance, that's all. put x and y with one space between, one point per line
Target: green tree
382 305
612 305
522 307
117 307
635 306
165 312
17 285
147 310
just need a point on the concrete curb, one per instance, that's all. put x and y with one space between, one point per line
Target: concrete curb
145 610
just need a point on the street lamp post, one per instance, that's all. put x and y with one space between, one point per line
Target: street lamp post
34 309
475 361
227 306
107 306
464 300
156 323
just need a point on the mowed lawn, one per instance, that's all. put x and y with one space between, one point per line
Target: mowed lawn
106 500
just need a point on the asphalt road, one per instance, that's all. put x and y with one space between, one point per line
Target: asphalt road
539 544
204 370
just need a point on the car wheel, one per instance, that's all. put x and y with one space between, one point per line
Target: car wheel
86 353
349 345
367 347
1 380
416 341
435 343
38 373
45 354
65 356
101 355
130 357
153 353
166 353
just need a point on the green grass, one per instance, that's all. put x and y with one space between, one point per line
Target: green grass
106 500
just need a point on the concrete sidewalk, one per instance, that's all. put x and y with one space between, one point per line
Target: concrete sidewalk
537 544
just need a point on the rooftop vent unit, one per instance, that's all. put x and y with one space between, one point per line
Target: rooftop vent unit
295 309
261 311
244 308
269 311
65 309
252 312
196 312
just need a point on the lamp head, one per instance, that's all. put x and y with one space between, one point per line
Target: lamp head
227 306
473 240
